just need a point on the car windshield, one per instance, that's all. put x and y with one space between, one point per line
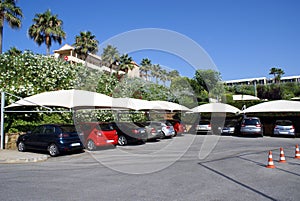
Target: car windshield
230 123
251 121
284 123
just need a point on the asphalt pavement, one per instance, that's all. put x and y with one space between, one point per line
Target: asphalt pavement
14 156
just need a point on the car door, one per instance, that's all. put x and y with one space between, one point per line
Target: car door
33 140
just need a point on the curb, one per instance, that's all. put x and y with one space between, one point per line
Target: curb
10 157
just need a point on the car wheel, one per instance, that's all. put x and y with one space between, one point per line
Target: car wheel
90 145
163 135
122 140
21 147
53 150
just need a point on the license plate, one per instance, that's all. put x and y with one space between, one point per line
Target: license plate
109 141
142 131
75 144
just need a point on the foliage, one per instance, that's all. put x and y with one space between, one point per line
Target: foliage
47 28
28 74
86 43
277 72
12 14
208 79
183 91
110 54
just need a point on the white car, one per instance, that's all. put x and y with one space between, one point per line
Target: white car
284 127
167 130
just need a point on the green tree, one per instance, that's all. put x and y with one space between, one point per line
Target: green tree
111 56
86 43
14 51
10 13
277 73
173 74
155 72
145 67
126 63
208 79
46 28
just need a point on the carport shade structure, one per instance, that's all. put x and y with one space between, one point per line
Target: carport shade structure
274 106
215 107
71 99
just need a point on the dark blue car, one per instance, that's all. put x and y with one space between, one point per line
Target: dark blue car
54 138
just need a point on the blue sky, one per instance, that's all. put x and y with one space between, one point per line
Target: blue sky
244 38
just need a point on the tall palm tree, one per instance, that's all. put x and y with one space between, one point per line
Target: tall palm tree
10 13
86 43
46 28
145 67
163 76
277 73
111 56
126 63
156 72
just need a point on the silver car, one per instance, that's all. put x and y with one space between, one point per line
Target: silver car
251 126
167 130
284 127
204 127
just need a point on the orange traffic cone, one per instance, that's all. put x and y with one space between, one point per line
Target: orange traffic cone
297 152
282 157
270 161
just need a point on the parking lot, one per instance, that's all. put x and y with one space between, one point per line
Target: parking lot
189 167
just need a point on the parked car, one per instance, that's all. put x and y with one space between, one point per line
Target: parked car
167 130
54 138
251 126
229 126
203 127
153 129
128 133
179 127
96 134
284 127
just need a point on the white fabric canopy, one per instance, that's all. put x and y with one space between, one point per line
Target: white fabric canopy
216 107
165 105
67 99
275 106
131 103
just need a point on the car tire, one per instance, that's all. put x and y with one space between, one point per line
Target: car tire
122 140
90 145
53 150
21 147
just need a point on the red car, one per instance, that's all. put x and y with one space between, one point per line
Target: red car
96 134
179 127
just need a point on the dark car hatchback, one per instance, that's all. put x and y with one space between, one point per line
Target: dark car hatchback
54 138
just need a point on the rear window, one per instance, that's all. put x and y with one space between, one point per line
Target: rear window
284 123
204 123
68 129
106 127
251 121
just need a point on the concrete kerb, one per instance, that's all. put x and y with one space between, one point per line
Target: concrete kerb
14 156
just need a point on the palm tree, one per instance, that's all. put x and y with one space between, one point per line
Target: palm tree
173 74
86 43
126 63
163 76
46 28
10 13
156 72
277 73
111 56
145 67
14 51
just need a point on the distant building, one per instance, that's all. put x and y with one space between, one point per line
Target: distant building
67 52
261 81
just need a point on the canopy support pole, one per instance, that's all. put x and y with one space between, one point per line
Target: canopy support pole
2 119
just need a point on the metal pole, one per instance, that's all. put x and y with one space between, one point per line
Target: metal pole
2 119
